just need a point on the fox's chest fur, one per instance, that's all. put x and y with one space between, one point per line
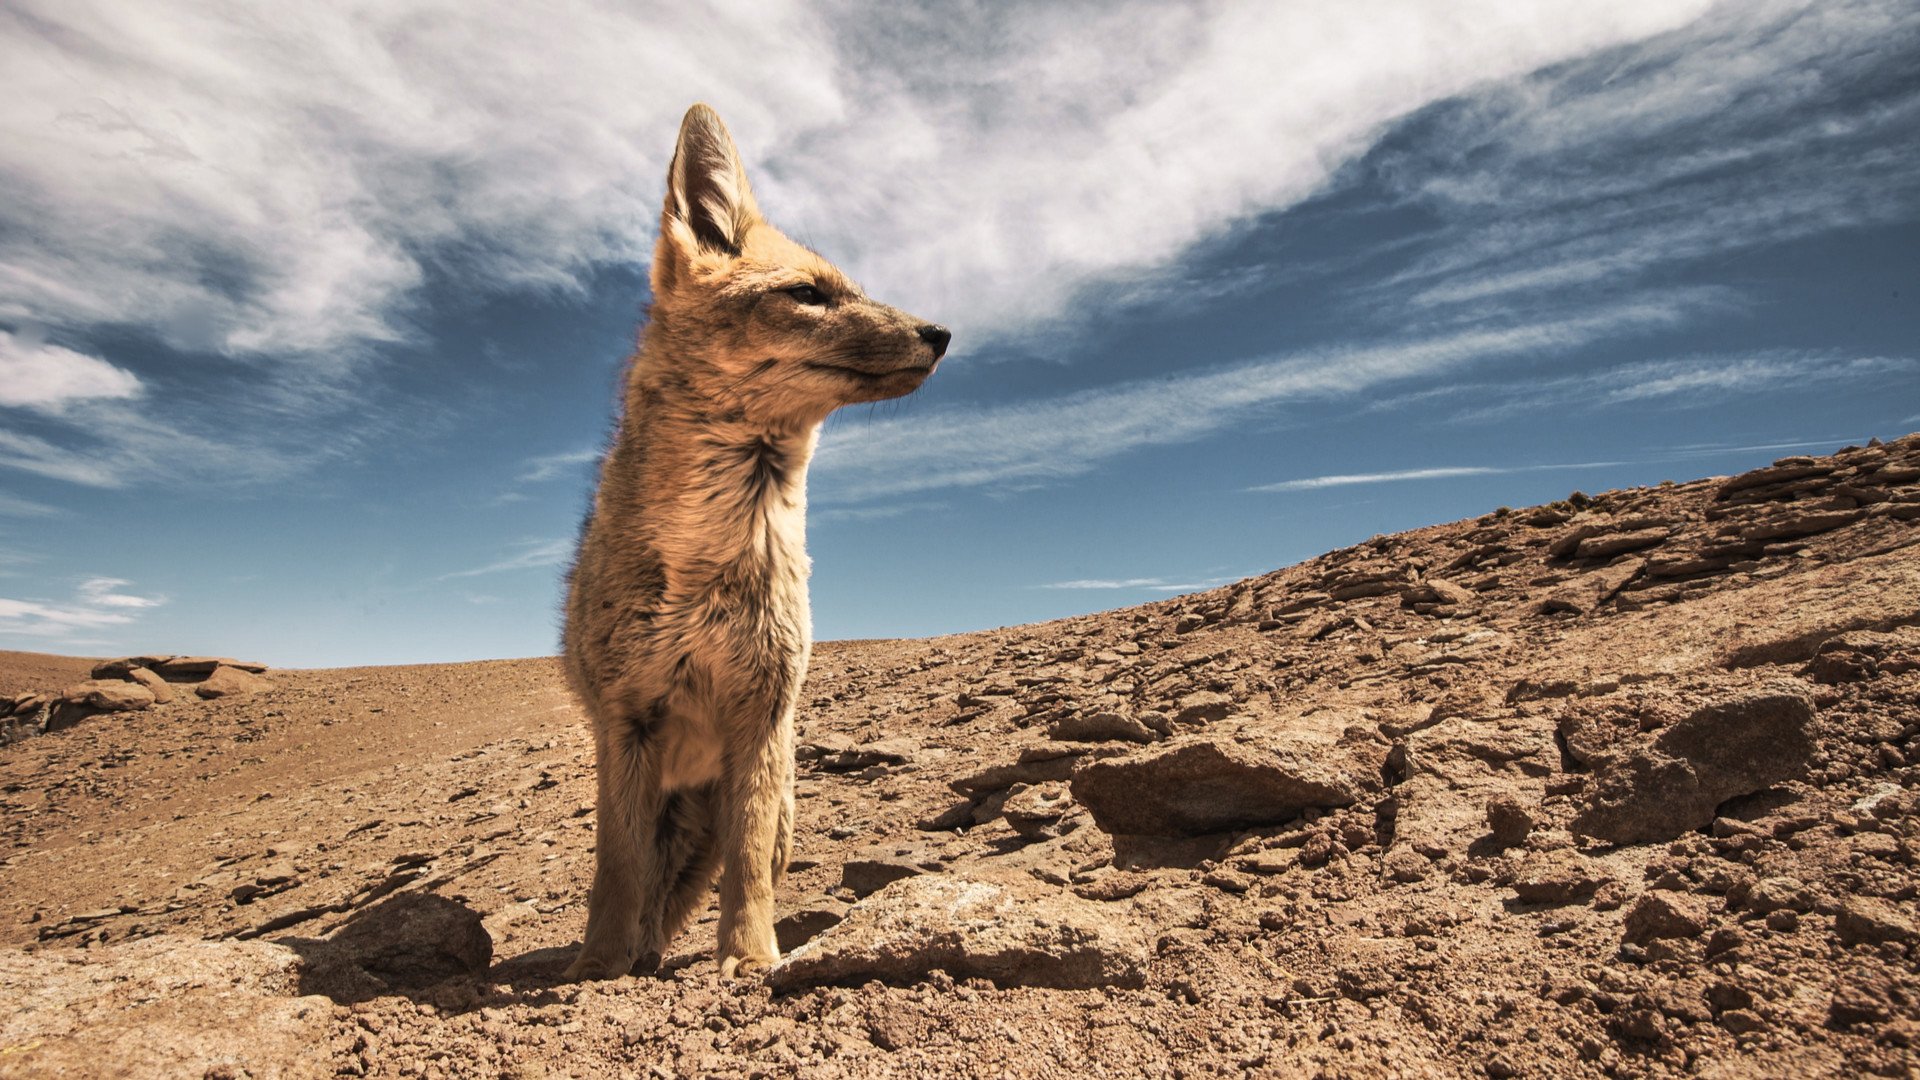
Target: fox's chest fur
689 612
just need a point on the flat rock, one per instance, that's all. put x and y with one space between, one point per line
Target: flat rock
1867 918
1591 589
230 682
1608 545
1105 726
103 695
1655 791
123 667
803 924
161 690
161 1006
874 869
191 668
1013 932
1232 780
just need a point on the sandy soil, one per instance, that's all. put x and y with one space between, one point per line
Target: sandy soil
1620 786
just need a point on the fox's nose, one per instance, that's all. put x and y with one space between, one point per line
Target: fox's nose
936 336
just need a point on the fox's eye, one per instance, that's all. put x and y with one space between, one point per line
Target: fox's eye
807 294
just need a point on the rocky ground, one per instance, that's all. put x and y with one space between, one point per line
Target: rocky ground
1619 786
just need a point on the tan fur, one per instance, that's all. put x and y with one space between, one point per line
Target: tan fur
687 623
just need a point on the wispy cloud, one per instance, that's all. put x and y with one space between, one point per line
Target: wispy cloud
1766 122
98 604
1047 440
1152 584
857 514
14 506
1683 382
1314 483
553 466
1677 453
527 555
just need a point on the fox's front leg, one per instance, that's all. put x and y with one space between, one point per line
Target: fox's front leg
759 793
623 910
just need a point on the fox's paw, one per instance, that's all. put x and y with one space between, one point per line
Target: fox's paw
592 965
746 967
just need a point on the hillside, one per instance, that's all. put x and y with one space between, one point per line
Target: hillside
1619 786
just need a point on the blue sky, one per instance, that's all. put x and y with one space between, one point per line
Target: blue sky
310 325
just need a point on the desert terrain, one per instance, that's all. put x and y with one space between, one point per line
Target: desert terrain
1620 786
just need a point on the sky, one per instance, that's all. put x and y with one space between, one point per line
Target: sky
312 318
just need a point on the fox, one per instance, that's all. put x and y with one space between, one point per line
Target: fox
687 623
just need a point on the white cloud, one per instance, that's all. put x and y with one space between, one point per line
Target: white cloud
36 375
100 592
279 188
528 555
96 606
236 179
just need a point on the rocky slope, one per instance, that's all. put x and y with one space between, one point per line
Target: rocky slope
1619 786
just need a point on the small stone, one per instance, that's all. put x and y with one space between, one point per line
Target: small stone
1663 914
1036 810
1773 894
1406 865
1508 821
1866 918
1557 877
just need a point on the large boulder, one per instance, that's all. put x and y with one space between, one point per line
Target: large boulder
1016 932
1260 774
230 682
102 695
410 941
1646 792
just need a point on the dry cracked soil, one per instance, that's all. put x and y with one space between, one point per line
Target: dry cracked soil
1622 786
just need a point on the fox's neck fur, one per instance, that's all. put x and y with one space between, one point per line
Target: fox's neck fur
720 494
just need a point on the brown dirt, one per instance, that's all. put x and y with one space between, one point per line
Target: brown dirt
1621 788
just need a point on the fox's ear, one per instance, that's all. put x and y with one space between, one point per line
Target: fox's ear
709 202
